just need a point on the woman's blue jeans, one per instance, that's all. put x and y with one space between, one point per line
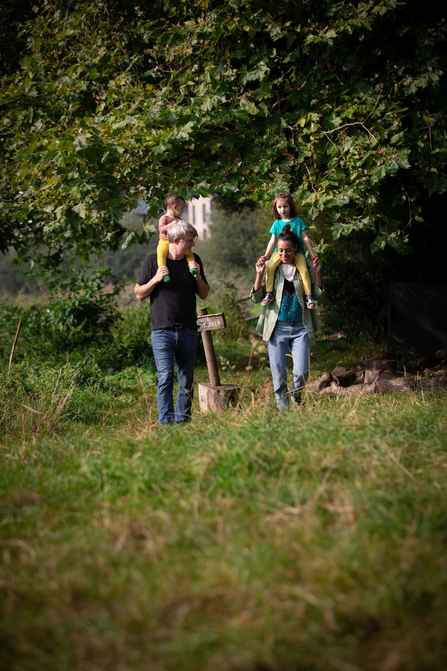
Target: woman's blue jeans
289 338
174 346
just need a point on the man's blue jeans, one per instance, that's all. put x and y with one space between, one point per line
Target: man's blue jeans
174 346
289 338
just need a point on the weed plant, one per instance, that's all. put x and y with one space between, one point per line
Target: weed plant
244 541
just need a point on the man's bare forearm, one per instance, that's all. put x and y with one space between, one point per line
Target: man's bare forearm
203 288
143 291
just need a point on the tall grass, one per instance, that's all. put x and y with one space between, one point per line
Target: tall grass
245 541
33 401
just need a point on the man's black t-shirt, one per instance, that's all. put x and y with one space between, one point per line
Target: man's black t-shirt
172 303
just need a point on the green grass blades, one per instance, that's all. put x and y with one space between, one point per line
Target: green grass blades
248 541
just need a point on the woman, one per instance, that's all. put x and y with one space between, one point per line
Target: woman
287 324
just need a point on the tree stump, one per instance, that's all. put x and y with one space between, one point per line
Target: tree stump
216 399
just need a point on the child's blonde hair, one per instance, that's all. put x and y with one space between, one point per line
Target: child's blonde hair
285 195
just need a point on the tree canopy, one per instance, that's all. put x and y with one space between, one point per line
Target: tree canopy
344 104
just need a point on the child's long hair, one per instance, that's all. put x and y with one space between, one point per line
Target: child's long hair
288 235
286 196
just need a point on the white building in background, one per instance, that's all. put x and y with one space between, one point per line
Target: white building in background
198 213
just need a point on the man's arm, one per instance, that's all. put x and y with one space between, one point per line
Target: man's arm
203 288
143 291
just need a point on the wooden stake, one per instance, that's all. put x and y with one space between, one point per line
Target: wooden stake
210 355
19 326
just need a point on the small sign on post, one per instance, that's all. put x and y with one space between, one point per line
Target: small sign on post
211 322
214 396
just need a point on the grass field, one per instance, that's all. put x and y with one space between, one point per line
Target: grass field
247 541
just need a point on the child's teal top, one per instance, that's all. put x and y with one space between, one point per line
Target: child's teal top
296 224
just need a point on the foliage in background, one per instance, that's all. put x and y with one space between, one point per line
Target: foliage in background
343 103
356 288
79 321
224 298
238 238
81 310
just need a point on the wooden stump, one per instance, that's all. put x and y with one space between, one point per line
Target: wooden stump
216 399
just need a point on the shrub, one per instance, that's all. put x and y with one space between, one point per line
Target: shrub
82 312
77 322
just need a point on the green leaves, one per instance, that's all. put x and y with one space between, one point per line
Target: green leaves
332 103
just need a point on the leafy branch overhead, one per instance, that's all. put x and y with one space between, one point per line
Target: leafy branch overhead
341 104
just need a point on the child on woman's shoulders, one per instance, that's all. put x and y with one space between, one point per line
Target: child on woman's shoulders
284 211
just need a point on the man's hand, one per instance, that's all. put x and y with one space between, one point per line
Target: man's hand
161 273
195 266
144 291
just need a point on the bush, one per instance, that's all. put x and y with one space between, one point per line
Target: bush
81 323
82 313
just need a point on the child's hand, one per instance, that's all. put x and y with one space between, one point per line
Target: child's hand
176 221
315 259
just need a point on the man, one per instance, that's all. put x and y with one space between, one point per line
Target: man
173 318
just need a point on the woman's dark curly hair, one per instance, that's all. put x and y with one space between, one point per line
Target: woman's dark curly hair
288 235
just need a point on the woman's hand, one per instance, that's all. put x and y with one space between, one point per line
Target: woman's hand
260 265
317 266
260 268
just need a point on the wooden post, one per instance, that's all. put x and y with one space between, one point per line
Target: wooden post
214 396
19 325
210 354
